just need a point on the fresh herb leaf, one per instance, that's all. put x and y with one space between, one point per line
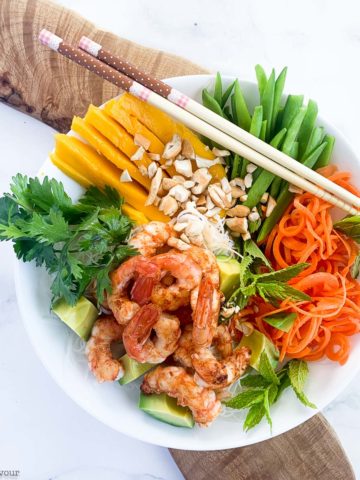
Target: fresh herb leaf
254 381
267 370
77 243
254 416
251 249
283 275
277 292
246 399
281 321
298 372
304 400
355 269
350 226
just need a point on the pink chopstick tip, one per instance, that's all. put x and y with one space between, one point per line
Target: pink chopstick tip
49 39
89 46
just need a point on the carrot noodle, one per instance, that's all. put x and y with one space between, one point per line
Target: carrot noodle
323 326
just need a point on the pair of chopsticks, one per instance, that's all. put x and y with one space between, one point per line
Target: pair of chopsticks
128 77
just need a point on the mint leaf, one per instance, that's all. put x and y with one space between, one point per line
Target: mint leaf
304 400
298 373
246 399
254 381
350 226
245 273
251 249
267 407
276 292
284 384
254 416
355 269
283 275
281 321
267 370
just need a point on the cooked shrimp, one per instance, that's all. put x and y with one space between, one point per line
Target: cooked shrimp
185 348
184 274
177 383
145 275
151 237
206 314
205 299
214 373
136 337
98 350
223 341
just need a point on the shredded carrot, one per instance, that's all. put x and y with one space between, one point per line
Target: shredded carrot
305 233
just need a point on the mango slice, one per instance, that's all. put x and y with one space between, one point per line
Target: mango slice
70 171
101 172
102 145
164 127
138 217
114 132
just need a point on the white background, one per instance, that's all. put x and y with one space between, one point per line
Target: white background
42 433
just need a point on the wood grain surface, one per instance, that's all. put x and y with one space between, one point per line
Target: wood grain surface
309 452
43 84
46 85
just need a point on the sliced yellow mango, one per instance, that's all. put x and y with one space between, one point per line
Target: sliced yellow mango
102 145
161 124
134 214
133 125
70 171
114 132
101 172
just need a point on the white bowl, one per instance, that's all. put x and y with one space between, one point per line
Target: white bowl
61 351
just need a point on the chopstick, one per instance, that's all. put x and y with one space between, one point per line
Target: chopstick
109 73
214 119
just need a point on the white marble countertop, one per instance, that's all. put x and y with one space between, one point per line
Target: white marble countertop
42 432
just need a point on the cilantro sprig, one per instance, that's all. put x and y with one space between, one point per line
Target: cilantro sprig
271 285
77 243
262 390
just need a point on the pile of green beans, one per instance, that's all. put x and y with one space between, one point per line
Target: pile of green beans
283 122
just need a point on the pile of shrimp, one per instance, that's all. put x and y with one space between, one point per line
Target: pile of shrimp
165 306
305 233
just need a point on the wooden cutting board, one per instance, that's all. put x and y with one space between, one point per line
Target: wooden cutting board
47 86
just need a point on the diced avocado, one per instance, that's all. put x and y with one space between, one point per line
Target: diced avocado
258 343
229 274
80 317
133 369
164 408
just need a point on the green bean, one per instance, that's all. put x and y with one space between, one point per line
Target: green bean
265 178
279 88
227 113
255 129
285 198
218 88
314 141
210 103
283 201
240 108
263 130
294 128
268 102
236 166
261 79
294 151
325 156
227 94
307 125
292 106
275 187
